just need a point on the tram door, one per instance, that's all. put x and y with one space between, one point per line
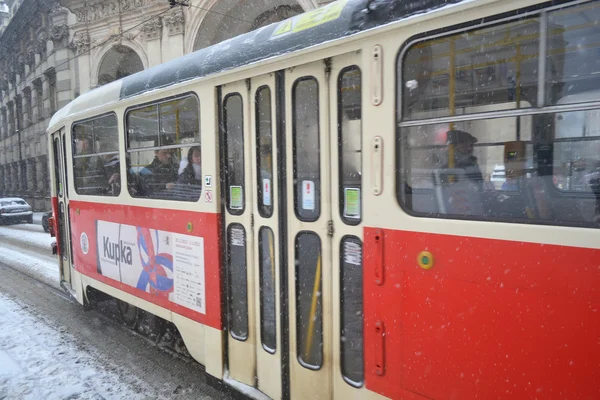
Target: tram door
273 253
239 235
62 212
309 253
252 234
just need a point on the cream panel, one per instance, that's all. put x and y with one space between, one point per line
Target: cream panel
194 336
384 210
214 346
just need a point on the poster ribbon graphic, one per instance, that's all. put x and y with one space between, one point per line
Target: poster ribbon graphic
154 273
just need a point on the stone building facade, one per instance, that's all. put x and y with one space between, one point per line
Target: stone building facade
53 50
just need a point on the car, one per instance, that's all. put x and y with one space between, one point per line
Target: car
45 218
14 209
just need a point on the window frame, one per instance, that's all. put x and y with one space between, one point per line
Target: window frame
74 157
259 185
318 194
348 220
157 103
227 187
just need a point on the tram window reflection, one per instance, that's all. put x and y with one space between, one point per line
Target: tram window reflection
463 173
164 159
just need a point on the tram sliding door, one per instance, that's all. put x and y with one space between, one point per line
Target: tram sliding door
309 253
252 234
239 237
263 96
61 207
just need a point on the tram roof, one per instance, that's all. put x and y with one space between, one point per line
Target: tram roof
343 18
265 43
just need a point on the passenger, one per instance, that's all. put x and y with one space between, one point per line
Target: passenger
192 173
111 166
161 174
463 155
189 183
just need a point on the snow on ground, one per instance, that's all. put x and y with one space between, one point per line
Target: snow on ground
44 269
38 361
27 248
32 235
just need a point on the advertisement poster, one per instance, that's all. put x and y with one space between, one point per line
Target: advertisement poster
161 263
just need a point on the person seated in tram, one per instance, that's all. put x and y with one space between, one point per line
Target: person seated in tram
192 172
464 159
161 174
89 168
458 181
110 165
189 183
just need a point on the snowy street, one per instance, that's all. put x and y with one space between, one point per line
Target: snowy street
51 349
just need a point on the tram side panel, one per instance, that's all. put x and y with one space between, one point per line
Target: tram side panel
169 258
458 316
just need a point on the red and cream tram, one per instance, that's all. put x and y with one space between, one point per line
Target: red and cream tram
374 199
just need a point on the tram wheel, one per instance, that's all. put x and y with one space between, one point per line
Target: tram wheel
129 314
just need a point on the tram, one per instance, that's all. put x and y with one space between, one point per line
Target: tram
312 203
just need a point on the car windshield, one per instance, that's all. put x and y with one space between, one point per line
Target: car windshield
5 203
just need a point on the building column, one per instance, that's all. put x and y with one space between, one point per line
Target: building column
31 175
11 118
62 54
27 117
81 43
37 99
173 45
3 123
153 35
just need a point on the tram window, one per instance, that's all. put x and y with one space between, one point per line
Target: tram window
446 76
264 151
164 157
234 138
237 287
572 61
96 157
351 342
306 147
478 170
309 311
268 304
350 144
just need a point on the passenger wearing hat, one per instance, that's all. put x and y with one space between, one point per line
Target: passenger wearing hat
161 174
463 154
